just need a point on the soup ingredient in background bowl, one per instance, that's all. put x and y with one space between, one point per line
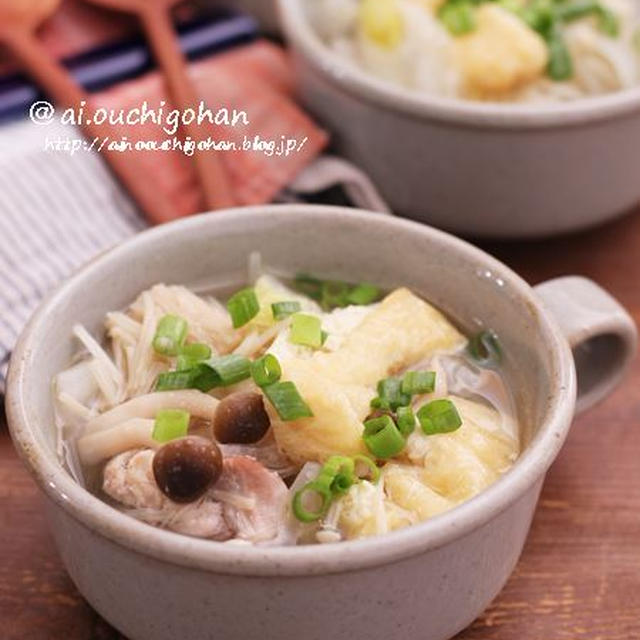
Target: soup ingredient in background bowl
286 416
508 50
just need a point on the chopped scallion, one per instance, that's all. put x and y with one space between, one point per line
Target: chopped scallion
282 310
221 371
560 65
371 473
457 17
339 473
439 416
243 306
306 330
313 491
266 370
191 354
170 424
484 348
363 294
196 351
416 382
406 421
390 395
198 377
230 369
336 293
382 437
170 335
287 401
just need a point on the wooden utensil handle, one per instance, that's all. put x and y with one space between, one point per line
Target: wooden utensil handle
211 171
60 86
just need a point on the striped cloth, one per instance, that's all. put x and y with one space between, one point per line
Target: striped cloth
55 214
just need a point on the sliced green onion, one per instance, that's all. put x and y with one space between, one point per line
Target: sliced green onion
371 467
230 369
317 490
266 370
608 22
243 306
287 401
221 371
363 294
457 17
170 424
323 336
334 293
282 310
538 16
484 348
439 416
196 351
382 437
306 330
309 285
191 354
339 473
415 382
199 377
406 421
170 335
560 66
390 395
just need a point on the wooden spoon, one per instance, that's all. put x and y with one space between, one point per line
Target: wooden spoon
18 21
156 19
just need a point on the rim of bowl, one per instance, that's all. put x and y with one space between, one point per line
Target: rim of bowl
221 557
359 83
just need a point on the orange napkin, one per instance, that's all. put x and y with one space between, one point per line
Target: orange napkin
256 78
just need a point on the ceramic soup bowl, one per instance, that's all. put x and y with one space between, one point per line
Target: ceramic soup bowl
481 169
427 581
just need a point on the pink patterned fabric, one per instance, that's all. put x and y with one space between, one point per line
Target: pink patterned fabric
255 78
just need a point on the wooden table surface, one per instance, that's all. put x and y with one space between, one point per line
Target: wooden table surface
579 576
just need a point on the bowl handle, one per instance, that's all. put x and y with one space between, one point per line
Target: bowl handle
602 335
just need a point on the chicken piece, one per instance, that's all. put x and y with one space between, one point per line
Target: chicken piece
501 55
203 519
253 499
128 479
339 386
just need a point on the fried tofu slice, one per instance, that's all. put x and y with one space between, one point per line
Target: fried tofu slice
339 386
460 464
500 55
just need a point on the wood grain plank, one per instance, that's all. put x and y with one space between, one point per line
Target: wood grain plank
579 576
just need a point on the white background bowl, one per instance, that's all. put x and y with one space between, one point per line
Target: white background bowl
481 169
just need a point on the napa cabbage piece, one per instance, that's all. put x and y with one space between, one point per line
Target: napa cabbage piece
338 386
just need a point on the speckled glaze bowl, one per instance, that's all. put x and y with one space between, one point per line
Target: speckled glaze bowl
427 581
479 169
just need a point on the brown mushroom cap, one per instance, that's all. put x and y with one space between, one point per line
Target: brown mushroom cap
241 418
186 467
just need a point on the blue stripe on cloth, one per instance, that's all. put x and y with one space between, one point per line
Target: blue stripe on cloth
57 211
